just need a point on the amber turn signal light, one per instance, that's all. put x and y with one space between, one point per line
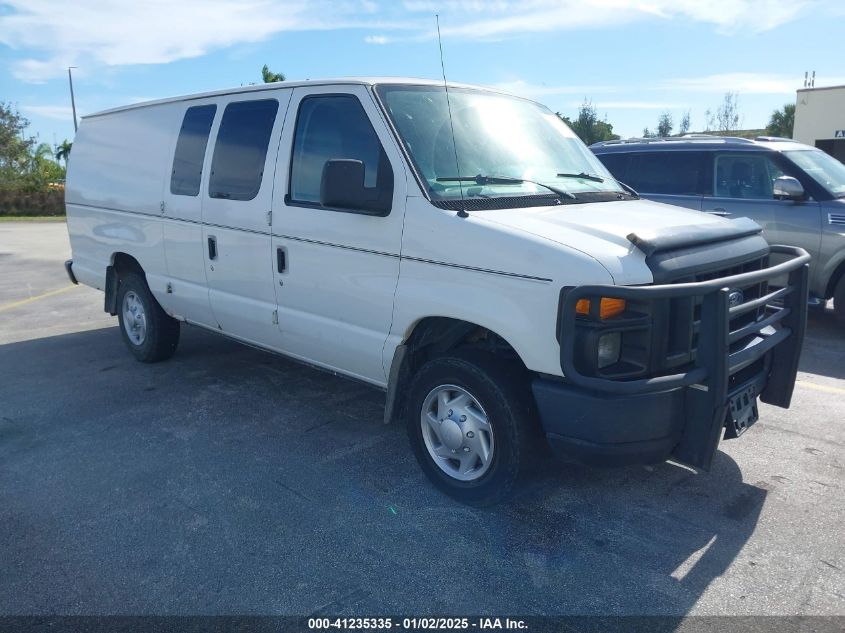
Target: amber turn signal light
607 307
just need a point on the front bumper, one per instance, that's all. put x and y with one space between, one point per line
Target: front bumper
682 415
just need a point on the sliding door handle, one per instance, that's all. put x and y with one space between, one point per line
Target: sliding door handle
212 247
281 259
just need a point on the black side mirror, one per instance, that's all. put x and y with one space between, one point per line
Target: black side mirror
342 185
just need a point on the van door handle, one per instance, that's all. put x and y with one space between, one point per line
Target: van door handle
281 259
212 247
718 211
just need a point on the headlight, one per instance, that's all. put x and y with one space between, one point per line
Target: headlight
609 349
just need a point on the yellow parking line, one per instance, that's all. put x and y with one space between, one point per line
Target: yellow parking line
824 388
22 302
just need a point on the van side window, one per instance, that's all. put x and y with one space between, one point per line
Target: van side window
746 175
241 149
190 150
673 173
336 127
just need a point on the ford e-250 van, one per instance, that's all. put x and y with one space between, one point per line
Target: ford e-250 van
459 248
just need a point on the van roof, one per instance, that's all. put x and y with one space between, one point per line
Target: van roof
366 81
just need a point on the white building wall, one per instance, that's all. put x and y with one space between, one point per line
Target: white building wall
819 115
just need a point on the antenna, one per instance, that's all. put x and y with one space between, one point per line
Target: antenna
462 213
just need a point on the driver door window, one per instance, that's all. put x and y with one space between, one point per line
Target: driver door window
745 176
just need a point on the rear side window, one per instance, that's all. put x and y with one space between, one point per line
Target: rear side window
336 127
241 149
675 173
616 163
190 150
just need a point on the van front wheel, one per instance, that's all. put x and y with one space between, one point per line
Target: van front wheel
148 331
469 425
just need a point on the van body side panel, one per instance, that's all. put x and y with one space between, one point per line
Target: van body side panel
239 265
487 274
182 229
335 295
113 197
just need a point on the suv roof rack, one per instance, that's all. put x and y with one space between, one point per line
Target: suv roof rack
693 138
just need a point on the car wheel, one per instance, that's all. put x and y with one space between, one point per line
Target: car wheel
839 301
149 333
470 426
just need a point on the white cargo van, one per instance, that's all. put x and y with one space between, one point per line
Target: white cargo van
459 248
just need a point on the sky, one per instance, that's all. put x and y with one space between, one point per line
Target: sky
633 59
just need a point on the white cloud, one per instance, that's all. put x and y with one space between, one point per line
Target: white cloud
743 83
525 89
635 105
121 32
483 20
61 113
52 34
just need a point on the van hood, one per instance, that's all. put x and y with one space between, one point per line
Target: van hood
601 229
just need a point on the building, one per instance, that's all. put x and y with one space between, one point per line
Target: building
820 119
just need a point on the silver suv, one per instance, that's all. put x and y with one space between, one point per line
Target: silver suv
794 191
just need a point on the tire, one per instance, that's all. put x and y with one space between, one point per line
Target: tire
839 301
149 333
499 393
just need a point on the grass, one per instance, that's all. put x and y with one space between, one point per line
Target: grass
32 218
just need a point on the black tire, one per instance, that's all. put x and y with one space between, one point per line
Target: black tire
161 334
501 388
839 301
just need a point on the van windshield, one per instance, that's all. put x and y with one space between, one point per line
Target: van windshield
516 147
821 167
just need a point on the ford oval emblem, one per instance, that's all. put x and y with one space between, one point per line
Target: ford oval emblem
735 297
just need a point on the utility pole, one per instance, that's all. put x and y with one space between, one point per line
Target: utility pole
72 101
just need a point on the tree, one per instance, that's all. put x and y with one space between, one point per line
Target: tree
269 76
15 145
782 121
588 126
63 151
727 114
683 128
665 125
647 133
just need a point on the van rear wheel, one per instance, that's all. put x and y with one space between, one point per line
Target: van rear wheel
469 425
148 331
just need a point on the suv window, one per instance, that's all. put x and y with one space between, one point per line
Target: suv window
190 150
745 175
617 164
336 127
241 149
671 172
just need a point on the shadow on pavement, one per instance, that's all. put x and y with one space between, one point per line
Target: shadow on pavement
824 345
228 480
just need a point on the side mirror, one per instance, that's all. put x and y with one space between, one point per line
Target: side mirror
342 184
788 188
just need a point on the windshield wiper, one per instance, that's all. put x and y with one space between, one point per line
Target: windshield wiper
506 180
582 175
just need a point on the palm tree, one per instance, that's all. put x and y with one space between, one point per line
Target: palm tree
269 76
63 151
782 121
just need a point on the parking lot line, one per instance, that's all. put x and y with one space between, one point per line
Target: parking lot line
817 387
22 302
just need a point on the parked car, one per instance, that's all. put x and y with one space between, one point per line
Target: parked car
461 250
794 191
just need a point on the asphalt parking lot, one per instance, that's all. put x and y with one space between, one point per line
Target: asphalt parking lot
228 480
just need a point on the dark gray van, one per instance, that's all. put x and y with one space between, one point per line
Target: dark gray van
794 191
